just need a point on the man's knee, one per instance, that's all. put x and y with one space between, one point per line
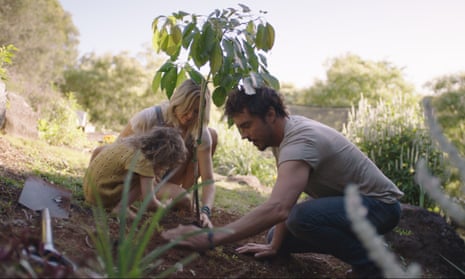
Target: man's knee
300 220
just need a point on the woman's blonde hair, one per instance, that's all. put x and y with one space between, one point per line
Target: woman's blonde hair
182 101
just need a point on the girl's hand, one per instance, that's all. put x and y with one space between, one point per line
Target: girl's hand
205 221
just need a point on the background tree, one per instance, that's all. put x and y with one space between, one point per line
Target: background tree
111 88
46 39
349 76
449 105
447 83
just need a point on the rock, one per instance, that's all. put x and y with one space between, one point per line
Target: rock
20 118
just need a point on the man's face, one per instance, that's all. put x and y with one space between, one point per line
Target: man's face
254 129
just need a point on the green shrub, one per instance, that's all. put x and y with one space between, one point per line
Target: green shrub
6 55
59 126
450 112
394 136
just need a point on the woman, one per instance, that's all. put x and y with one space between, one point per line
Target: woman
181 111
147 155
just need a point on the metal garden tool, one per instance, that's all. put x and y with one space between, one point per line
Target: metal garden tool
38 194
45 253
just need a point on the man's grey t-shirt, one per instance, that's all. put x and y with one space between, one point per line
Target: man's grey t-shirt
335 161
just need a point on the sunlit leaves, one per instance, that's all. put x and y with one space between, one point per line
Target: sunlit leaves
265 37
231 42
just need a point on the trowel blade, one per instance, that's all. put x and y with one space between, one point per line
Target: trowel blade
38 194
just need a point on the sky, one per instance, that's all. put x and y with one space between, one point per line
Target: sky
425 38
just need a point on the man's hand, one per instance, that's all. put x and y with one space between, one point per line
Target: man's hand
198 242
259 250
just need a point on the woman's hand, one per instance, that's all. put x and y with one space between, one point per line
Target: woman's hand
259 250
205 221
198 242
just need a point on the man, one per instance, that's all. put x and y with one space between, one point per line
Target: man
312 158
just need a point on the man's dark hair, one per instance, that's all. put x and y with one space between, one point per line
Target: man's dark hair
257 104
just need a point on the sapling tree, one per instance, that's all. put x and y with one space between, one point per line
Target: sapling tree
229 45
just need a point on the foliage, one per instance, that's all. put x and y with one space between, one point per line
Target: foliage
393 135
231 42
46 39
447 83
349 76
60 124
449 105
111 87
6 55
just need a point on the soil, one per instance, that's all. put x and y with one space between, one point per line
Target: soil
421 237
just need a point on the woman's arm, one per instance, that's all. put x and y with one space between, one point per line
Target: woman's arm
127 131
208 190
147 188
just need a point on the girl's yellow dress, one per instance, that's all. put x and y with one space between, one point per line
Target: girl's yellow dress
107 172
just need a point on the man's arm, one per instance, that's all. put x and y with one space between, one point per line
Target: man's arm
291 181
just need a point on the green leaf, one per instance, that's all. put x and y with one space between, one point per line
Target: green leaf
269 38
156 81
219 96
168 81
187 35
208 39
156 41
260 38
155 23
252 57
195 75
172 48
245 9
228 47
163 41
263 60
166 67
197 51
181 77
176 34
270 80
216 59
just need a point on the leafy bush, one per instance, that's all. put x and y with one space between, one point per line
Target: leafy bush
60 124
6 55
450 111
394 136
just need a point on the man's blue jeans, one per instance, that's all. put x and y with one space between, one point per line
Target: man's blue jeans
322 226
